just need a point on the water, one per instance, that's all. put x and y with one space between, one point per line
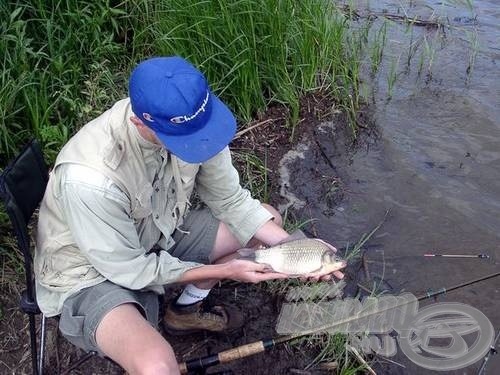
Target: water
435 165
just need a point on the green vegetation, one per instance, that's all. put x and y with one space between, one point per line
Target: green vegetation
254 175
65 61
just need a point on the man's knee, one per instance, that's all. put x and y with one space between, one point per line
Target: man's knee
125 336
277 216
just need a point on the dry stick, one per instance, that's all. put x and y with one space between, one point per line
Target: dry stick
328 365
261 346
76 364
393 362
240 133
361 286
395 17
414 21
365 267
360 359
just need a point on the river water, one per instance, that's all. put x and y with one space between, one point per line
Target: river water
435 165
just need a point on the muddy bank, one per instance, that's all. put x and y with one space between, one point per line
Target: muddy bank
434 164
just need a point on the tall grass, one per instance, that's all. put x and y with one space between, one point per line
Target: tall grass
256 52
49 50
65 61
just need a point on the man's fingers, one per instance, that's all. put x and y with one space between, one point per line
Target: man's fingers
267 268
339 267
256 267
271 276
338 275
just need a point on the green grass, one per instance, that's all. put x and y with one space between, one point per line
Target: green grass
51 51
65 61
377 46
254 173
256 52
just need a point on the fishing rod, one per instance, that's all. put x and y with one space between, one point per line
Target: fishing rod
483 256
492 351
199 365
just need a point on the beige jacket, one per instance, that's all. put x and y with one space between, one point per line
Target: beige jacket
154 187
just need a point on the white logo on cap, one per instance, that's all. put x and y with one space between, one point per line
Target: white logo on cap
183 119
148 117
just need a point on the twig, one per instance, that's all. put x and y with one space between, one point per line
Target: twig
391 361
244 131
328 365
365 267
355 14
299 372
194 347
414 21
360 359
360 286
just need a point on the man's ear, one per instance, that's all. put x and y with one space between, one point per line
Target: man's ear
136 121
144 130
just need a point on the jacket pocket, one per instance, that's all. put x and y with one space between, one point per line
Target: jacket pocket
142 203
188 175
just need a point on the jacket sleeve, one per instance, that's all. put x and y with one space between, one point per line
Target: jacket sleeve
218 185
103 230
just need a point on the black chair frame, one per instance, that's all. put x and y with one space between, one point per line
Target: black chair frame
22 186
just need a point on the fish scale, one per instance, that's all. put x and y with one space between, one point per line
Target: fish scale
296 257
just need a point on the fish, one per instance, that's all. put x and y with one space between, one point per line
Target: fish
296 257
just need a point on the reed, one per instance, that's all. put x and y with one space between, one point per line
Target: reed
258 52
65 61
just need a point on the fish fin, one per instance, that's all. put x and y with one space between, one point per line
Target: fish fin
246 253
295 235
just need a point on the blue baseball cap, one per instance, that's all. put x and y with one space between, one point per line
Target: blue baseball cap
174 100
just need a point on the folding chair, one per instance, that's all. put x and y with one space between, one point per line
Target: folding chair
22 185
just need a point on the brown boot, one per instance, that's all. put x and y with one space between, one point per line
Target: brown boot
184 319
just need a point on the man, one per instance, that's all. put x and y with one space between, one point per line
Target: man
115 224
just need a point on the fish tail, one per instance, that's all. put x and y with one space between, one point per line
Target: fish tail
247 254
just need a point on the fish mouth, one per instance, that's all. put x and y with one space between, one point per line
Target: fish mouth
332 261
330 256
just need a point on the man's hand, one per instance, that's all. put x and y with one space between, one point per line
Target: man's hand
250 272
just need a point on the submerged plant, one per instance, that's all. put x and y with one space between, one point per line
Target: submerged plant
473 50
392 76
377 46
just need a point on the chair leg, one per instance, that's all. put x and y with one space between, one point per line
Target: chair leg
42 346
34 362
76 364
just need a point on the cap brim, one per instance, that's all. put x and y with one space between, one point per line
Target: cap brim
206 142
